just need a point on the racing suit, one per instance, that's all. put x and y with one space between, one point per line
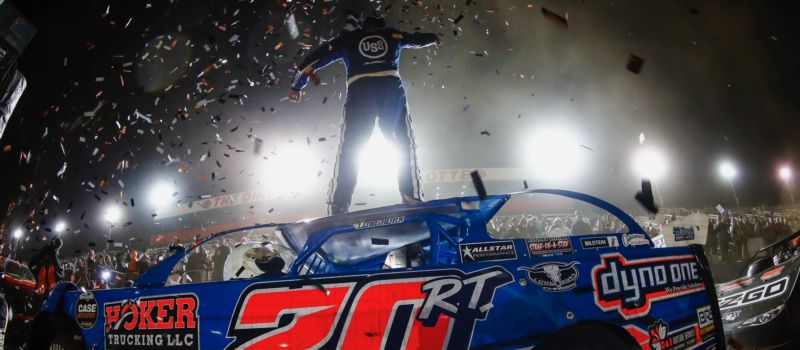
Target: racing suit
371 57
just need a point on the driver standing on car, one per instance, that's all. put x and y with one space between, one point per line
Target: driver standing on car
371 55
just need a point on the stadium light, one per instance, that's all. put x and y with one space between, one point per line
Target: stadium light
378 161
785 172
291 169
553 154
161 194
727 170
18 233
650 163
112 214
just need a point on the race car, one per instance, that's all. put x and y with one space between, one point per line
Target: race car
761 309
430 275
18 302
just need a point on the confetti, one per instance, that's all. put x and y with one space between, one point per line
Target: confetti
562 22
635 64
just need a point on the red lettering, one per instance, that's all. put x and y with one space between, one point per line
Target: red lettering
368 325
315 315
112 315
162 310
186 313
131 308
146 310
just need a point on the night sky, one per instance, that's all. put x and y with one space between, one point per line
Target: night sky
130 93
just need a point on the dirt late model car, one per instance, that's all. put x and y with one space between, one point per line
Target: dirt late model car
432 275
761 309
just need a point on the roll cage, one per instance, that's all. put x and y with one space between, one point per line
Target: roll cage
448 221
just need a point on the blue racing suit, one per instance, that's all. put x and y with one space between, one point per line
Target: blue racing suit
374 89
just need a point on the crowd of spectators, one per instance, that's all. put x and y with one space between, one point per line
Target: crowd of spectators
730 237
735 237
535 226
110 268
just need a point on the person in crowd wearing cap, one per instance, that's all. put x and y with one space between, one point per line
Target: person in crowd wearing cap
371 54
46 267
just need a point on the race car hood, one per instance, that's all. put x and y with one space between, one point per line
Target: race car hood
748 297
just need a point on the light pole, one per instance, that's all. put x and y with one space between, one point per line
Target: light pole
111 215
728 172
785 173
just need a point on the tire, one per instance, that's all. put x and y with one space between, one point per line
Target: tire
66 341
588 336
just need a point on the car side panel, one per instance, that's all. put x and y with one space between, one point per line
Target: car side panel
502 304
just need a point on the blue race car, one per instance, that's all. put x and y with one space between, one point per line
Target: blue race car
445 274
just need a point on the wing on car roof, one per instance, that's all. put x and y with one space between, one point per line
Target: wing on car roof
298 233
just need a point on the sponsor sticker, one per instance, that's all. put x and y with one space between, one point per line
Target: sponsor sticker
549 246
634 239
153 322
373 46
754 295
553 276
86 310
735 285
659 241
772 273
662 339
378 223
731 316
434 304
704 316
631 286
487 251
683 233
599 242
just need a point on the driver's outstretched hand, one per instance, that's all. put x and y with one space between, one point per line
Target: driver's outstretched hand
294 96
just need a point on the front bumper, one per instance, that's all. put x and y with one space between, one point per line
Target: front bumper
771 335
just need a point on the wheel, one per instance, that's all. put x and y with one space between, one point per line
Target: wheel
588 336
66 341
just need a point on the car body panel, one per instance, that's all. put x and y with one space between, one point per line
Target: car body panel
746 298
476 291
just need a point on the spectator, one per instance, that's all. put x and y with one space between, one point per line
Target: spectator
133 266
196 265
46 267
723 239
220 255
580 227
557 229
